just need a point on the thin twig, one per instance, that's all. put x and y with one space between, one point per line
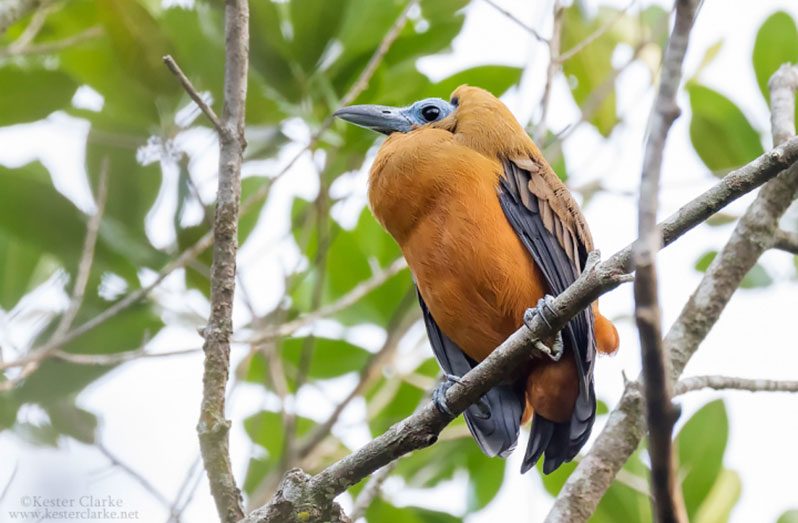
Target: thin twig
53 47
595 35
12 11
590 106
10 482
118 307
185 491
194 94
33 360
551 70
87 256
374 62
141 480
396 329
786 241
371 490
668 503
213 428
694 383
345 301
528 29
119 357
33 28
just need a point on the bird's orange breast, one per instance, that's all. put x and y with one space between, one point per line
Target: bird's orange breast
439 200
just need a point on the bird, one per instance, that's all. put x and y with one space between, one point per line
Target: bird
488 230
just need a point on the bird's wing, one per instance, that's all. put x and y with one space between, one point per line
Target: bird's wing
549 223
496 431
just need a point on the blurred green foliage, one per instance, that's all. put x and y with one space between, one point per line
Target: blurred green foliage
306 54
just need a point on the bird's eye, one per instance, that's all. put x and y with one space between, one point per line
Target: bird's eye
430 113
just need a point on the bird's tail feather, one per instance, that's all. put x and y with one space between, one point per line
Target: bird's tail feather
558 442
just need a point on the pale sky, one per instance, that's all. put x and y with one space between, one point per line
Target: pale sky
149 408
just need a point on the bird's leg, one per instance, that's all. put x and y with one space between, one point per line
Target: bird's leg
439 398
555 351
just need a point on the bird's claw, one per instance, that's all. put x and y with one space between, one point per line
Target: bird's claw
555 351
439 398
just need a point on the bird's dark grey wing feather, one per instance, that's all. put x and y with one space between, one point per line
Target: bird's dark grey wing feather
529 217
497 431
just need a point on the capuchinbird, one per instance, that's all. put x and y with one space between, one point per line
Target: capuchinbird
488 229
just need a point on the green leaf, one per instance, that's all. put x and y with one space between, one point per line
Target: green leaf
266 429
30 95
191 30
330 357
485 478
350 260
624 500
397 400
721 218
591 67
427 467
43 435
757 277
703 262
721 134
128 330
270 54
791 516
71 420
138 43
709 56
700 444
776 44
555 481
22 267
52 224
725 493
257 470
381 510
314 23
494 78
249 220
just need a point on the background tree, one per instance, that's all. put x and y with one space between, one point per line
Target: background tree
106 263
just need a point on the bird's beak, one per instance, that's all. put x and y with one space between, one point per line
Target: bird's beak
381 118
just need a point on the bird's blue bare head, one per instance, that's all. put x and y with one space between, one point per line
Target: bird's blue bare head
386 119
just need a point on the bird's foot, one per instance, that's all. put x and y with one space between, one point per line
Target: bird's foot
439 398
544 304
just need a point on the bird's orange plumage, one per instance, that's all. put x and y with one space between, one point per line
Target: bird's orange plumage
434 190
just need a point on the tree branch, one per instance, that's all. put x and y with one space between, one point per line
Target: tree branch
522 25
422 428
14 10
33 360
194 94
754 232
371 490
127 469
347 300
786 241
551 70
668 504
694 383
27 49
213 427
595 35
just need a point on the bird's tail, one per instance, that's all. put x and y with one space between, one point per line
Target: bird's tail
558 442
